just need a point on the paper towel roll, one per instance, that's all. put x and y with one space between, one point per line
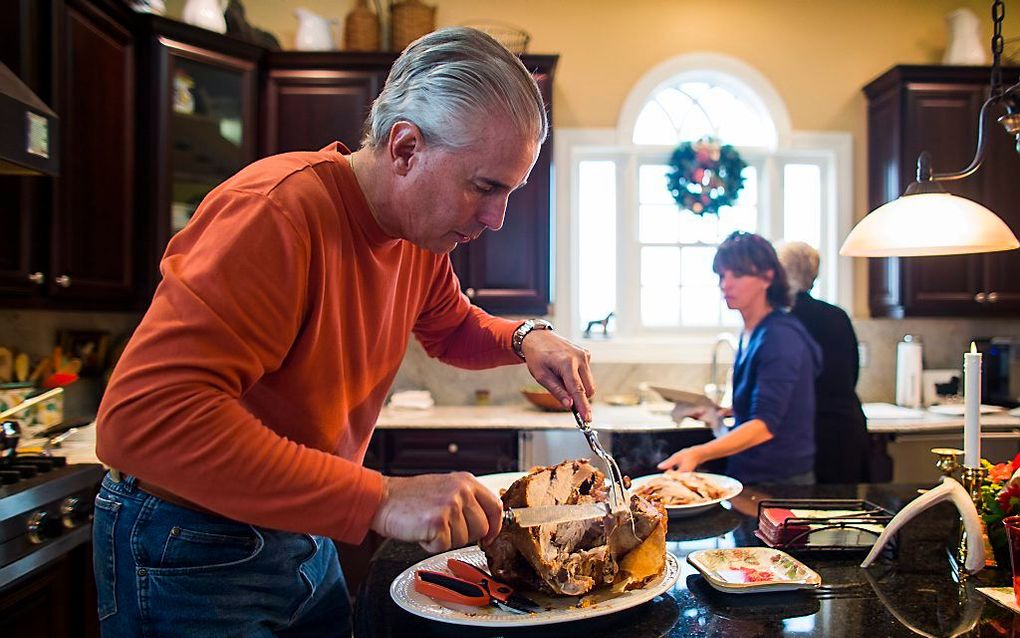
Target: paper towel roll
908 372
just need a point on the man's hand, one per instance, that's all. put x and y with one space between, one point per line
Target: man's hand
561 367
438 511
686 460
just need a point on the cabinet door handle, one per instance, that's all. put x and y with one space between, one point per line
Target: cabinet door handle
470 292
453 448
980 297
37 278
993 297
63 281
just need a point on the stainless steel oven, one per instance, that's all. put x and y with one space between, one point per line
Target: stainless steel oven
45 512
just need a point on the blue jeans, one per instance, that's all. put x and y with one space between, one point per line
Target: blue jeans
164 570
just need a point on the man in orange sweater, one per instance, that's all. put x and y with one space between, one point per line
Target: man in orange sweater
239 414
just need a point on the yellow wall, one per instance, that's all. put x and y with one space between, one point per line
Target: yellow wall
817 53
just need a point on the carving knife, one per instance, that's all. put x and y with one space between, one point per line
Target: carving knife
551 514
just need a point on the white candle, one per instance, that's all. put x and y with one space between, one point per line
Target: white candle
972 408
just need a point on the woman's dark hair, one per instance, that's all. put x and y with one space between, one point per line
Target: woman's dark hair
749 254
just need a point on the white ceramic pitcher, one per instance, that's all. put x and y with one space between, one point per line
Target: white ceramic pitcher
314 33
965 45
207 14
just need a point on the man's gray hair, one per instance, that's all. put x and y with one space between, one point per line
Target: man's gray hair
447 80
800 261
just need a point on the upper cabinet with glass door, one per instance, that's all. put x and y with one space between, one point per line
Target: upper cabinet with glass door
206 130
201 99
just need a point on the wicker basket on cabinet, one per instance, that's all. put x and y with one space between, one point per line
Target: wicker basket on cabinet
409 20
361 28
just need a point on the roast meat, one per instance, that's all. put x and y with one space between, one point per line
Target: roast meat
575 557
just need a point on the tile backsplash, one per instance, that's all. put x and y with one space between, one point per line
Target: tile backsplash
944 342
35 332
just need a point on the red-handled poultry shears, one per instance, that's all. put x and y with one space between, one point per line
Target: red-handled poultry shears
471 586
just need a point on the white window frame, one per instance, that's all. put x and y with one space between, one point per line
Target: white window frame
831 150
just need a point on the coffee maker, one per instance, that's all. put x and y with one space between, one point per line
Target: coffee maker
995 376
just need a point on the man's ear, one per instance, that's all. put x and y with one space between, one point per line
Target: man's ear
404 145
769 276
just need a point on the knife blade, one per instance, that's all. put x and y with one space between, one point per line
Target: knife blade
549 514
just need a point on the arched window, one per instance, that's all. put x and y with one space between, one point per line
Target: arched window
633 253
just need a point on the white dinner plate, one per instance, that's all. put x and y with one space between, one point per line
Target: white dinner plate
731 487
498 482
557 608
744 570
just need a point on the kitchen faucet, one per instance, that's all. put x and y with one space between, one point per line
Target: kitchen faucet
714 391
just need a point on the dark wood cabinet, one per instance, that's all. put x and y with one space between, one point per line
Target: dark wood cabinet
936 108
422 451
312 99
56 602
508 272
22 253
198 122
69 241
93 224
155 113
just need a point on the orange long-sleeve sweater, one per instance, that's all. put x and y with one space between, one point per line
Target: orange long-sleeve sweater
253 383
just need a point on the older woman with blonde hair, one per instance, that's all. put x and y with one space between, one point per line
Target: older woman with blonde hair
841 433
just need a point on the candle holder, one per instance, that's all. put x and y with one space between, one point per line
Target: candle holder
971 478
948 460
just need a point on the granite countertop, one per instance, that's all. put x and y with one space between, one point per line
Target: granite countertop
912 594
608 418
653 417
80 447
926 421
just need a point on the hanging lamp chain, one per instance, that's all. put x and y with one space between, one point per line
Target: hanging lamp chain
998 14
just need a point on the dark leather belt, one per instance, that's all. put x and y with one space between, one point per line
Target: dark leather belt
172 498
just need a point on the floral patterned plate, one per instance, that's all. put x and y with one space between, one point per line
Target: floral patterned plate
753 569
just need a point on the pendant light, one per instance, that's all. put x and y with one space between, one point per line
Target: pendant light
927 220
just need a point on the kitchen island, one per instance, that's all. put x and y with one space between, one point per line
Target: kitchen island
912 594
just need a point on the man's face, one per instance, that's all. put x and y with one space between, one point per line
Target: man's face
451 196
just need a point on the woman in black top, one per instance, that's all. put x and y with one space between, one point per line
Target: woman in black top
841 431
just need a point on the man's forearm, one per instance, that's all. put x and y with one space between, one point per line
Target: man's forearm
748 435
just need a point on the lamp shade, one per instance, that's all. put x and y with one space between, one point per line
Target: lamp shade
928 224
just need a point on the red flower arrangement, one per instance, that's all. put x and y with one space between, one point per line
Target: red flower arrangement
1000 497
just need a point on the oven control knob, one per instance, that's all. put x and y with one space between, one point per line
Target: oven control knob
74 512
43 527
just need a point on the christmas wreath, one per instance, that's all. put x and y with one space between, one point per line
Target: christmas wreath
704 176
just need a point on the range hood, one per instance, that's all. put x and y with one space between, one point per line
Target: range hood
28 130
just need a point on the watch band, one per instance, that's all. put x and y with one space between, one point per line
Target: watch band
517 342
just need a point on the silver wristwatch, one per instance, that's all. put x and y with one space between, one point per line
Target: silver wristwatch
522 331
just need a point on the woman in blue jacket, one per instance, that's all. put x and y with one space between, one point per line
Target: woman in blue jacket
773 376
